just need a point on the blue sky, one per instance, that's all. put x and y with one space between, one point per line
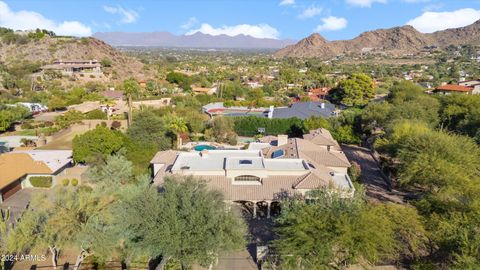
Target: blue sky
334 19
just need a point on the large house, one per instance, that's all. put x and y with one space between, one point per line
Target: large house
475 84
74 67
17 167
266 172
302 110
449 89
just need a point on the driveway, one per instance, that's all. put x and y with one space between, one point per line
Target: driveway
241 260
18 202
375 183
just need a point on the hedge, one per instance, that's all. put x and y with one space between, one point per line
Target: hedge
41 181
248 126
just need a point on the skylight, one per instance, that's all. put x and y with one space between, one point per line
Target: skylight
245 161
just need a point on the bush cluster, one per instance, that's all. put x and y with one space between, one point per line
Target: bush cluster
41 181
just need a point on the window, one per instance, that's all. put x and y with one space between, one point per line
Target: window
247 178
245 161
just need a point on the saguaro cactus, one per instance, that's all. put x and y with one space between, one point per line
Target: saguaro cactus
4 220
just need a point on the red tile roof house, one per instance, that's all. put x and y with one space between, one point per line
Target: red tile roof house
266 172
320 93
475 84
448 89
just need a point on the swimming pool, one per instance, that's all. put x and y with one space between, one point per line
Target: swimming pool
204 147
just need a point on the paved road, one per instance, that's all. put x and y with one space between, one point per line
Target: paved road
376 185
17 203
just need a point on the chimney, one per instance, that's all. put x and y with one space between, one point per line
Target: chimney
270 112
282 140
322 105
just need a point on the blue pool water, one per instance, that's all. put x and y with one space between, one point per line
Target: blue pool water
204 147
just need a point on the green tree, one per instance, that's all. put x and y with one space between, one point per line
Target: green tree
357 90
106 62
117 171
195 225
316 122
177 125
68 118
130 88
334 232
9 115
149 128
97 144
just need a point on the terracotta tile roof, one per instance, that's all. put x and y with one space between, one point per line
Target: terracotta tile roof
273 188
453 87
312 180
15 165
268 139
315 153
320 91
321 136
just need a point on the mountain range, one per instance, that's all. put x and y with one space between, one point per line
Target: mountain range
395 41
197 40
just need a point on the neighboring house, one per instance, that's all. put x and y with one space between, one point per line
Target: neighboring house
18 166
34 108
204 90
11 142
73 67
303 110
254 84
317 94
475 84
448 89
265 173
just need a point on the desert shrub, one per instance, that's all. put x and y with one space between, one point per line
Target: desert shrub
96 114
74 182
65 182
41 181
354 172
27 125
116 124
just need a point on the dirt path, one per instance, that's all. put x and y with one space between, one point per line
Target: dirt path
377 188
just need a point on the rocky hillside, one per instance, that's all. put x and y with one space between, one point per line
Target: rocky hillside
48 49
395 41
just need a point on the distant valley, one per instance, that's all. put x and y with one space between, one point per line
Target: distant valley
197 40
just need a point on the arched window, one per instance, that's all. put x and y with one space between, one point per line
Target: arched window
247 178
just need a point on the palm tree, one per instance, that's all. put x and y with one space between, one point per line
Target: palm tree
130 88
178 126
109 103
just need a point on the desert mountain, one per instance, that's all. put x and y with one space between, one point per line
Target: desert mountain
48 49
395 41
197 40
